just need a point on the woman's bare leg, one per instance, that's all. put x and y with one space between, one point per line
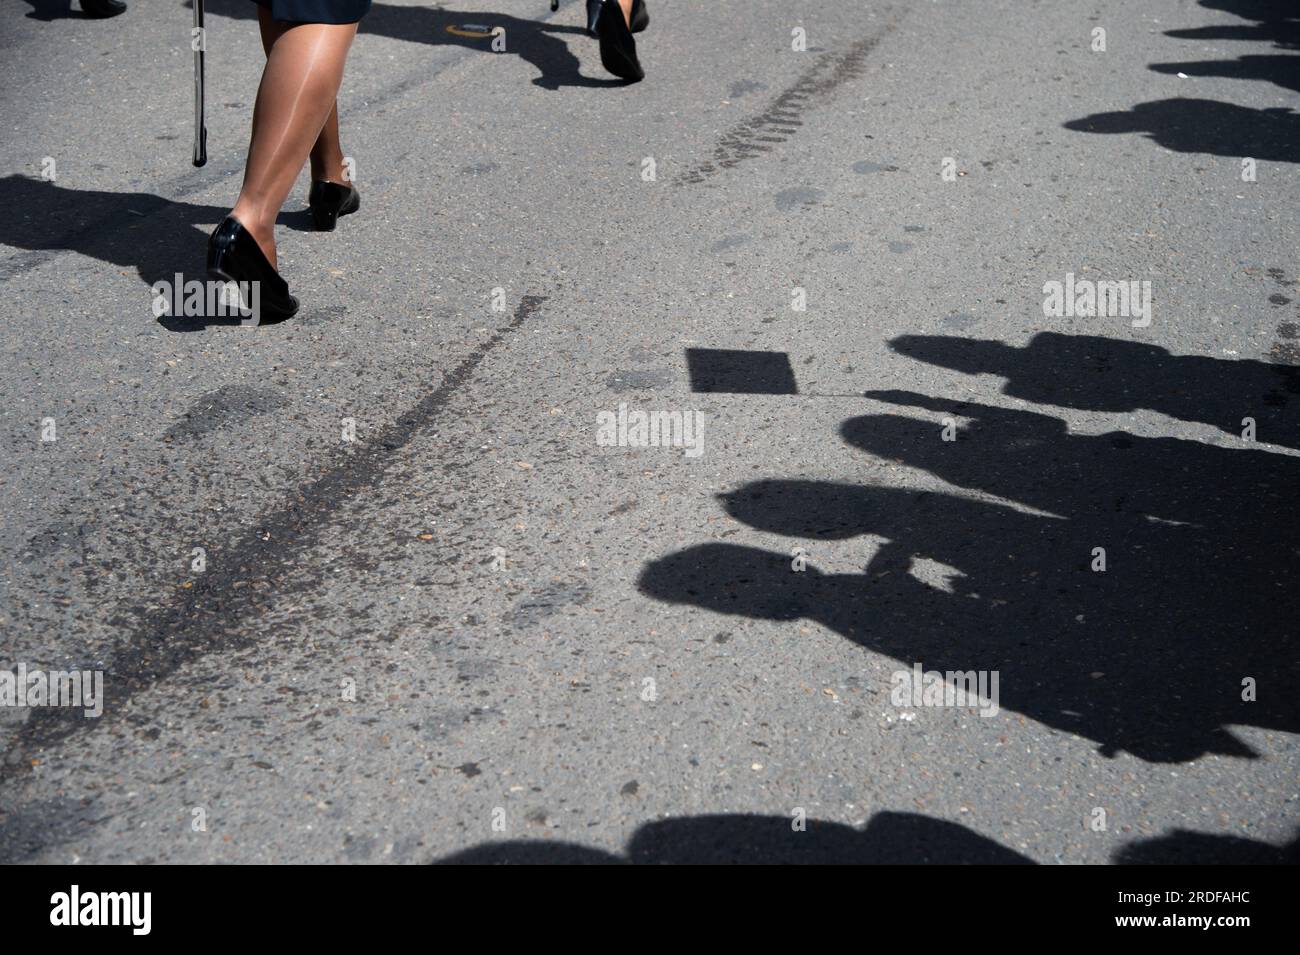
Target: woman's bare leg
295 101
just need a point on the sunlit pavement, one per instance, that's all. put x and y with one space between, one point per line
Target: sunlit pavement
641 452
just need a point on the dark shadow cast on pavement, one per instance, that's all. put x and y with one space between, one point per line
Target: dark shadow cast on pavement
1113 375
1147 656
1182 847
1276 22
47 11
888 838
1205 126
130 230
1210 126
1284 71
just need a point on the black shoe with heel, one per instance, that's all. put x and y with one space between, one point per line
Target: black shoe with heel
328 201
617 48
235 256
640 16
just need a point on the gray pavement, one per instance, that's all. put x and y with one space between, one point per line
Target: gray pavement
480 633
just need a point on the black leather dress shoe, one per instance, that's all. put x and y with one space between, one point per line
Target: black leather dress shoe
102 9
329 200
235 256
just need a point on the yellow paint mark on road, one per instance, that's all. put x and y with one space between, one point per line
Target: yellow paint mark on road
475 30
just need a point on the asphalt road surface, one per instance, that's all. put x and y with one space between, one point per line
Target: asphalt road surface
396 581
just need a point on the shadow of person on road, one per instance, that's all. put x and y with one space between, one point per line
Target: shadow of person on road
1205 126
130 230
1209 126
1116 375
1148 656
1284 71
1276 22
1183 847
888 838
537 43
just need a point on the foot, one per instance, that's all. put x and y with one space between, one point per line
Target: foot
262 232
640 17
634 14
329 200
617 48
233 256
330 171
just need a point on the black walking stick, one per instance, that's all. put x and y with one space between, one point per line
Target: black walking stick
199 41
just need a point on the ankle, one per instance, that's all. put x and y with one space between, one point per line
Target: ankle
330 171
259 228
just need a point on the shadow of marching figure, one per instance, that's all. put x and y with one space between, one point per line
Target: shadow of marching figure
1284 71
1205 126
1277 22
1182 847
888 838
1148 656
533 41
131 230
1209 126
1114 375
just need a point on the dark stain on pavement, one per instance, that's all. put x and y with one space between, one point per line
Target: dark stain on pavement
549 600
228 405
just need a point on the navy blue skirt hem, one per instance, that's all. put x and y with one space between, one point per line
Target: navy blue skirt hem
316 11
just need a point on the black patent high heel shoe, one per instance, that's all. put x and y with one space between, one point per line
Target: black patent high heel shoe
617 48
640 16
235 256
329 200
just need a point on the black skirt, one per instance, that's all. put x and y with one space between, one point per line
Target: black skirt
316 11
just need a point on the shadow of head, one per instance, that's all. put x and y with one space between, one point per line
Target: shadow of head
1199 594
1205 126
888 838
1107 374
1183 847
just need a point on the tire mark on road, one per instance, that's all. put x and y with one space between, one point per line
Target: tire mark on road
779 120
220 612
